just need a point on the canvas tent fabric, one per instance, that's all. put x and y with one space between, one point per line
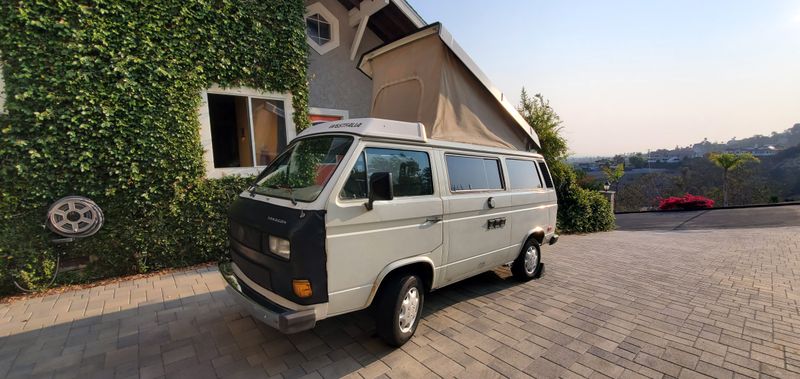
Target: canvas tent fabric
421 79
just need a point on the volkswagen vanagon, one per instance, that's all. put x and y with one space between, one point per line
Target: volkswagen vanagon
373 213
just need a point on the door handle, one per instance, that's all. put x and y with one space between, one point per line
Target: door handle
433 220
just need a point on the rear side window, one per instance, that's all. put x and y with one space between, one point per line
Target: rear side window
473 173
522 175
548 181
411 172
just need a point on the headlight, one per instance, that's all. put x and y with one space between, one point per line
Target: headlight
279 247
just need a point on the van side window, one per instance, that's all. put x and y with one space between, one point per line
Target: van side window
473 173
411 172
548 181
523 174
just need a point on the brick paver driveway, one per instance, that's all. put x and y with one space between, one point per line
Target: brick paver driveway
720 303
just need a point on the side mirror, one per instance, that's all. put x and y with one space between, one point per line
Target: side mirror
380 188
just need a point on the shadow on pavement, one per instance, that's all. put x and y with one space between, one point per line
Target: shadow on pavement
208 335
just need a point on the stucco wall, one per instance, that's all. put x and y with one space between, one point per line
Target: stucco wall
334 80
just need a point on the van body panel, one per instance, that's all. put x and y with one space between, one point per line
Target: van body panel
352 299
531 212
472 245
363 242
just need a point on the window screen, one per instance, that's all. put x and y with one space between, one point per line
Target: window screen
411 172
523 174
473 173
545 174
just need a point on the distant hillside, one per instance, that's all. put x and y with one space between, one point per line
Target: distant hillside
780 140
788 138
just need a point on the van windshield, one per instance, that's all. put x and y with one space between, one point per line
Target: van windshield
301 172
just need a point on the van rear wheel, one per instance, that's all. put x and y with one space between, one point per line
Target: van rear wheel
528 264
398 309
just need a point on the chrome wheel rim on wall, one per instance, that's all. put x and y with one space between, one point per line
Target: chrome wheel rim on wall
74 216
531 260
409 309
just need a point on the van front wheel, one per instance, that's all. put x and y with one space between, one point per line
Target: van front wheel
398 309
528 264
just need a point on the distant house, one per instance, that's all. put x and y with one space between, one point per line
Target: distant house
757 151
242 129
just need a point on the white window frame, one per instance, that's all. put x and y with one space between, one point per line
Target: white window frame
319 8
205 127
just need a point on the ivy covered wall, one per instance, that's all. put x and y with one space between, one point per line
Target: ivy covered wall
102 100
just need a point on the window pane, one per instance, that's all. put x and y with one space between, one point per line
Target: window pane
523 174
411 173
230 131
356 185
318 29
269 129
325 31
493 177
303 171
471 173
546 175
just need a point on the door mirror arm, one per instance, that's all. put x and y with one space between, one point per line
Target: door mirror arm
380 188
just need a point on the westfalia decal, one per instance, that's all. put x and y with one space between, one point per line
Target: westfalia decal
345 125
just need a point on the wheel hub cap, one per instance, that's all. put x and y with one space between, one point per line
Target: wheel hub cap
531 260
408 310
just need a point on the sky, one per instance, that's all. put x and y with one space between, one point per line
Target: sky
628 76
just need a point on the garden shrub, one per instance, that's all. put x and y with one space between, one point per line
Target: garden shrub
685 202
580 210
102 101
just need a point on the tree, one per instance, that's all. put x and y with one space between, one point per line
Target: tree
729 162
579 210
637 160
544 120
613 176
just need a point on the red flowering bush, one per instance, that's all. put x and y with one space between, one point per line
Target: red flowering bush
687 202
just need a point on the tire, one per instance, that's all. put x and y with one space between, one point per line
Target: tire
398 299
528 264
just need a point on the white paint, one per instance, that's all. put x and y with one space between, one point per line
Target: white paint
362 26
409 12
372 127
365 9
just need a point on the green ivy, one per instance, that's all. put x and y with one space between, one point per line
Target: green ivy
102 101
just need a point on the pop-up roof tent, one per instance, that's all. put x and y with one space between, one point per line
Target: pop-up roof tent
426 77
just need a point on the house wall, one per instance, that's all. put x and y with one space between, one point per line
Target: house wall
334 80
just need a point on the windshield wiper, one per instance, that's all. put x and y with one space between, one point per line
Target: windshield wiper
260 176
285 187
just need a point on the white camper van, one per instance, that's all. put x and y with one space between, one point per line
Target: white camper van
377 213
372 212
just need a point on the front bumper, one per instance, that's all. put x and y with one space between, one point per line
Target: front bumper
285 320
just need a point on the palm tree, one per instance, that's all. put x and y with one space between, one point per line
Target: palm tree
729 162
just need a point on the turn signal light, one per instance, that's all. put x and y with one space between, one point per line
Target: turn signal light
302 288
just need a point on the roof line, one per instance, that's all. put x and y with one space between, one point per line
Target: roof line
410 12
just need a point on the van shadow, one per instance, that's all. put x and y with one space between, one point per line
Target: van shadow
207 334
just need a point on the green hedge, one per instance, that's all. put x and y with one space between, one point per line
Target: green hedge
580 210
102 100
